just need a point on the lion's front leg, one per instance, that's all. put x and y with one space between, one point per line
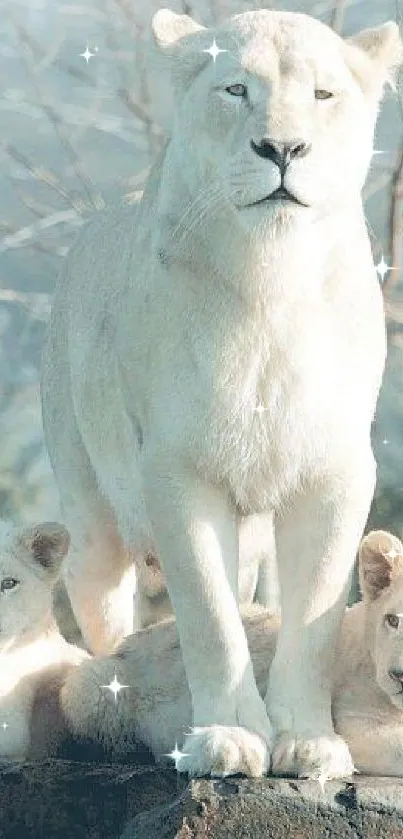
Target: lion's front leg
317 540
195 530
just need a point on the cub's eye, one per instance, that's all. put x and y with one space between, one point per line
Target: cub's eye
392 620
237 90
323 94
8 583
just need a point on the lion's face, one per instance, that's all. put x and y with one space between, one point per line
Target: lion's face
381 575
29 565
283 121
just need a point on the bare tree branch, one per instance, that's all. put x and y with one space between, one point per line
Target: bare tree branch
46 176
94 196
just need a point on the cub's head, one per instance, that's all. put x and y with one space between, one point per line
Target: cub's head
30 561
280 121
381 581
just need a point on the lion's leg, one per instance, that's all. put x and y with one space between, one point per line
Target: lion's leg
98 572
258 577
100 580
317 540
195 530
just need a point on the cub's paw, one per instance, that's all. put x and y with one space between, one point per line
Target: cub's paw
221 750
318 758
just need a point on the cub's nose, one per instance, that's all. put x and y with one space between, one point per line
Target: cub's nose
281 153
397 674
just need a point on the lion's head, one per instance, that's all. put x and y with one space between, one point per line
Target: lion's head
282 120
381 581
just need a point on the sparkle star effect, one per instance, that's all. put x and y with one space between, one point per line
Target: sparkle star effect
214 50
4 725
382 268
88 54
260 409
115 687
392 554
176 754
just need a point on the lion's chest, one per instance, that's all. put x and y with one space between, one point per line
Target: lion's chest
274 419
259 443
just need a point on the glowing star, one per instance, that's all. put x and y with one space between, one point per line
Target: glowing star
176 754
214 50
4 725
260 409
115 687
382 269
385 442
392 554
88 54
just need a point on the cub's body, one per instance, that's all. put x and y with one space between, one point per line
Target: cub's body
155 706
34 657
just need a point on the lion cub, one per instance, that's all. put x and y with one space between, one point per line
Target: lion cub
34 657
154 707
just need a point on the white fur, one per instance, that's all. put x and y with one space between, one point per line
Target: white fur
174 320
34 657
155 708
257 572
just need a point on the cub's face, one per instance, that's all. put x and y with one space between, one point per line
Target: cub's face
29 565
388 643
283 120
381 576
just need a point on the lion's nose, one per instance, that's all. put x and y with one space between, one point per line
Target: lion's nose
397 674
280 153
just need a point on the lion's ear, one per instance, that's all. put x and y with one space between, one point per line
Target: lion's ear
47 545
168 27
374 55
180 42
380 557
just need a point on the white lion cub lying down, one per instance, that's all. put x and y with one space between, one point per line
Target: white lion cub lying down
34 657
155 705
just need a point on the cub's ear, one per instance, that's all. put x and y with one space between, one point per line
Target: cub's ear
47 545
374 56
180 42
380 558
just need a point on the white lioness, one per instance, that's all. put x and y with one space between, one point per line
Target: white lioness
367 677
34 657
218 351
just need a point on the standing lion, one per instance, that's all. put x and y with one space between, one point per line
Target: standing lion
217 352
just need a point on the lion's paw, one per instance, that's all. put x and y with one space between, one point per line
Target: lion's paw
221 750
318 758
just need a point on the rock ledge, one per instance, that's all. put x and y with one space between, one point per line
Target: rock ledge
59 799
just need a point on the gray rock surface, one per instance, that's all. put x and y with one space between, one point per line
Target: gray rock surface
59 799
277 808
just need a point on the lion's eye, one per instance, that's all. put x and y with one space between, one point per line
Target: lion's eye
8 583
392 620
323 94
237 89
